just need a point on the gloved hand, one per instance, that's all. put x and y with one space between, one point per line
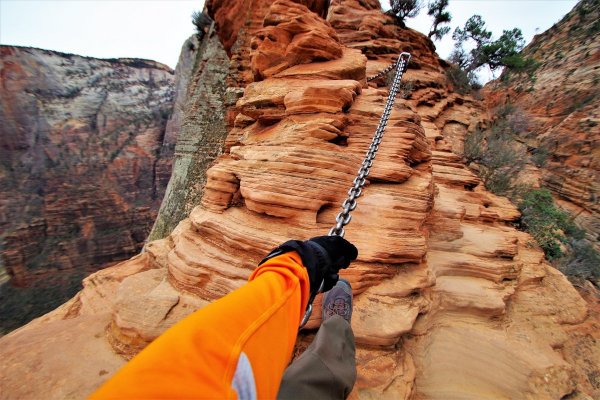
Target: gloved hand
323 257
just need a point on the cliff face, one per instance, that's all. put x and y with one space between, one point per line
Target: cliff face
81 176
451 302
560 105
203 130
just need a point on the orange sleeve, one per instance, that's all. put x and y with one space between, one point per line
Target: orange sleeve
198 356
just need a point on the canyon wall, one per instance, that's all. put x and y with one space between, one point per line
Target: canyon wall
85 163
558 105
451 301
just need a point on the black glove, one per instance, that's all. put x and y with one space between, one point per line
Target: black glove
323 257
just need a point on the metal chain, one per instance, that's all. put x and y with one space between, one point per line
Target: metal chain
344 217
382 72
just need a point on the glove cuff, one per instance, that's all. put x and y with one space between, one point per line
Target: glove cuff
290 245
315 259
311 253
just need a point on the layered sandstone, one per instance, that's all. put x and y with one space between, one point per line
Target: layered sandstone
560 103
451 301
82 175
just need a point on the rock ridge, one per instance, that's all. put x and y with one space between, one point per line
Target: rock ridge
451 301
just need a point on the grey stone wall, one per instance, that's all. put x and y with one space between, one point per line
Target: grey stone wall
202 135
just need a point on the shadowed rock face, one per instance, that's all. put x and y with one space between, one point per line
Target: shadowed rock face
81 174
450 300
200 136
561 108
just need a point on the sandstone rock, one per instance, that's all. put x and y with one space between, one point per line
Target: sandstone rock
351 65
492 364
292 35
33 360
450 299
267 101
183 75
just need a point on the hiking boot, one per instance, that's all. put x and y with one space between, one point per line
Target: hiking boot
338 301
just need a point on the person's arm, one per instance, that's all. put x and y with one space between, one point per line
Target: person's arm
199 356
242 343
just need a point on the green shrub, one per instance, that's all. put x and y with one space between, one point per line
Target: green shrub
474 145
540 155
502 163
406 89
547 223
498 156
518 63
517 122
463 82
503 111
582 263
402 9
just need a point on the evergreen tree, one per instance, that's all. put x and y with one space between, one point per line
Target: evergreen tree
503 52
402 9
437 9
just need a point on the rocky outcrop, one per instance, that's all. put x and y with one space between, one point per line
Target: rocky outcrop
559 104
451 301
183 75
81 176
201 137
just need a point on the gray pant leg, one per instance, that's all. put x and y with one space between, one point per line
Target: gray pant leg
327 369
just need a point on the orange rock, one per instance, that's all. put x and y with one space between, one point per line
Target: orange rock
451 301
292 35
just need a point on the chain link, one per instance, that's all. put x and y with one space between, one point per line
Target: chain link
382 72
344 217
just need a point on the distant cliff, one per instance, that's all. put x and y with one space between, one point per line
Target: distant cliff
84 165
559 103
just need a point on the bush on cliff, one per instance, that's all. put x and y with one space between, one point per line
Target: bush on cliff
498 158
562 241
462 82
502 52
202 22
550 226
474 146
582 263
475 48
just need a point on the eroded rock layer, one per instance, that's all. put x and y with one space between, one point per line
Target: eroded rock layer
451 302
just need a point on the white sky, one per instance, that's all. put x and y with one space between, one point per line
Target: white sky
156 29
153 30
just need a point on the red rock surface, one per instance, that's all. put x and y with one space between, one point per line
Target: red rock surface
561 105
451 302
81 181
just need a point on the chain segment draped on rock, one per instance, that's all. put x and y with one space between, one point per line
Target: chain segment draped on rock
344 217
